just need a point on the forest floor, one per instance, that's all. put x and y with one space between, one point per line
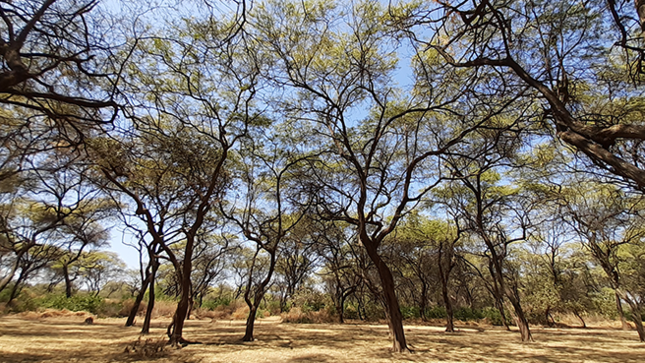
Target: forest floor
66 339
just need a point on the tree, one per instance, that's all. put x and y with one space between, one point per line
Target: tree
569 55
488 207
610 227
268 216
372 163
187 111
296 262
338 247
52 210
428 244
97 268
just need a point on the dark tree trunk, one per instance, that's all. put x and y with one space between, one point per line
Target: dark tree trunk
340 308
499 303
636 317
423 304
638 321
450 325
191 305
584 325
15 288
179 318
547 316
257 297
68 282
361 310
250 324
392 309
520 319
444 272
621 313
137 301
145 329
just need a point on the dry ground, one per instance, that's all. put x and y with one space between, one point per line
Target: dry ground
67 339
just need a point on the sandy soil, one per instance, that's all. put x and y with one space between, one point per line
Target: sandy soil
67 339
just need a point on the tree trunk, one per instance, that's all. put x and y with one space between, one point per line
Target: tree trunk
7 279
137 301
250 324
340 302
176 334
520 319
191 305
423 306
393 312
621 313
636 317
68 282
584 325
450 326
341 309
445 277
14 289
145 329
499 303
638 321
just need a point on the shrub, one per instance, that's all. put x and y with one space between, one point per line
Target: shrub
298 316
410 312
437 312
492 315
217 302
126 307
80 302
466 313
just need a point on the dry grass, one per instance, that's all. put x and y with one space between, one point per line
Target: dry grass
66 339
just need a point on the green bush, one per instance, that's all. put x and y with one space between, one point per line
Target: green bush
466 313
23 302
436 312
492 315
351 312
80 302
410 312
220 301
110 309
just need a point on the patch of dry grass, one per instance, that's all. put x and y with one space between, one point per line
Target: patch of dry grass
67 339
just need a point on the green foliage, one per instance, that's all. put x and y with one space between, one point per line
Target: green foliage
23 302
604 302
466 314
310 300
410 312
492 315
436 312
79 302
219 301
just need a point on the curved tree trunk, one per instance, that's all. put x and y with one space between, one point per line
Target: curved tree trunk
577 314
250 324
176 328
522 322
137 300
15 288
450 325
621 313
260 290
636 317
638 321
392 309
340 308
145 329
